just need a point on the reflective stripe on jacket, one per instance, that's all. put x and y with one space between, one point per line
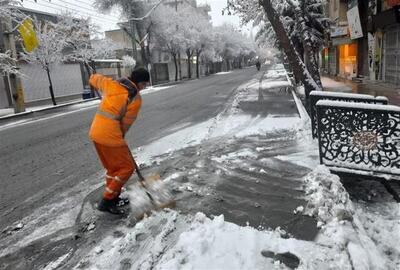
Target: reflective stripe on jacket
116 112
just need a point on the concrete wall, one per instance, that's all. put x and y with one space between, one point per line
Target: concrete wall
67 81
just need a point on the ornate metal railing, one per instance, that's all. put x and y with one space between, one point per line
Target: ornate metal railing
316 96
359 136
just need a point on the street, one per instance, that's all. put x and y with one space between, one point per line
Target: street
41 158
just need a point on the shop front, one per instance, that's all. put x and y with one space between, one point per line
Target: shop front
348 60
391 71
343 54
387 24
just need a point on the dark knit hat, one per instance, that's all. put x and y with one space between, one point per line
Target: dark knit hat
140 75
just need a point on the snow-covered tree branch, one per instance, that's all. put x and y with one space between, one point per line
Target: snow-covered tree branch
8 14
51 45
297 27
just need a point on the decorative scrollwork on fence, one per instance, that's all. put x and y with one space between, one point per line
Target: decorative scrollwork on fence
359 138
315 97
365 140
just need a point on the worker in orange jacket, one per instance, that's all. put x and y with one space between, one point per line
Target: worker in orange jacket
117 111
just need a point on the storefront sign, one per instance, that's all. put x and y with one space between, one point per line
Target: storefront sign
353 17
393 3
339 31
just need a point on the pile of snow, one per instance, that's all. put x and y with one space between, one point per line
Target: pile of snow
153 89
348 227
199 242
223 72
326 196
275 84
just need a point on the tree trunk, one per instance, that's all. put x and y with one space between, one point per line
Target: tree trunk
293 57
312 67
150 62
309 50
198 63
176 67
144 56
50 86
189 56
180 66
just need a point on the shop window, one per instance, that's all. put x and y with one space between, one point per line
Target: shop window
348 60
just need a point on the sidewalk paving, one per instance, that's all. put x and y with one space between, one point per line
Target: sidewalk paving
374 88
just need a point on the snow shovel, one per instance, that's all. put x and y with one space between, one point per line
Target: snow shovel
154 189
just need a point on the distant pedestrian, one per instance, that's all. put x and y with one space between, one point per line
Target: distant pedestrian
117 111
258 65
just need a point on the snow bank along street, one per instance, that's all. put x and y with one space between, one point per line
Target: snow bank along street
250 195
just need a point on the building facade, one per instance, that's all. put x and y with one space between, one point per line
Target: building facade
364 40
385 37
66 77
343 55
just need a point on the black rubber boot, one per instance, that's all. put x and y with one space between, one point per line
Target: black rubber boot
110 206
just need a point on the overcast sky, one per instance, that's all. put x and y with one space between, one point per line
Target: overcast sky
109 21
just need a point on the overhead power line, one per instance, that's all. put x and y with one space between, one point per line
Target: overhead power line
88 6
57 7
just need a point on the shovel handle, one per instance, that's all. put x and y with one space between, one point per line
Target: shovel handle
141 178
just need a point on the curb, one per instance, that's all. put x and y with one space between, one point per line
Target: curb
300 107
17 115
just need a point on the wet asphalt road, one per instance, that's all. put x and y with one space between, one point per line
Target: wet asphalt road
43 157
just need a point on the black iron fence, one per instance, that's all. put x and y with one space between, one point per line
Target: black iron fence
316 96
359 136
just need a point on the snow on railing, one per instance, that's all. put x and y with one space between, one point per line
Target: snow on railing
359 136
316 96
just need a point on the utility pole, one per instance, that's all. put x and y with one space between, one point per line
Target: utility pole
14 79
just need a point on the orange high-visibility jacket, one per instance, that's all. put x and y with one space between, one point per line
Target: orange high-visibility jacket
116 112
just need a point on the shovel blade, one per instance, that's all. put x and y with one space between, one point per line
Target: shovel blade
141 204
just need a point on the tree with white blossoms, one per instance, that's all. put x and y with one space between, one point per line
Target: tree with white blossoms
128 62
138 12
193 26
79 47
204 39
49 51
231 45
167 35
9 13
298 27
